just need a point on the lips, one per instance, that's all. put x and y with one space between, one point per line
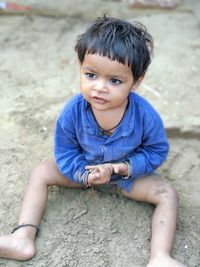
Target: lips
98 100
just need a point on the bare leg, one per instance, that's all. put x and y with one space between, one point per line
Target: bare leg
21 244
156 191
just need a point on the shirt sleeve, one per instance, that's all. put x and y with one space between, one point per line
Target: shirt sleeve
152 151
68 154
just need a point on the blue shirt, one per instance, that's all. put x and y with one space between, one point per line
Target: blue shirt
140 139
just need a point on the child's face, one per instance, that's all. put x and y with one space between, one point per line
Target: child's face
105 83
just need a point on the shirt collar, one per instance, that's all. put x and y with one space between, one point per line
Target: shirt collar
124 129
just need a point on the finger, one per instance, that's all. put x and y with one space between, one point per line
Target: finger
123 168
120 166
94 176
116 169
93 171
92 179
97 182
105 170
101 170
91 167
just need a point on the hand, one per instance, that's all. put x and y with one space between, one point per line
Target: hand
120 168
99 174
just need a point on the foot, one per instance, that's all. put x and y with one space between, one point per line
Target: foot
164 261
17 248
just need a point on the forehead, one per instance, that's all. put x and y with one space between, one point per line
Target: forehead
105 65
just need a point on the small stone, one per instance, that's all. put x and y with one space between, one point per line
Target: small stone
43 129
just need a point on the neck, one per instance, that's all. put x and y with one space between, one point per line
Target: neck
109 120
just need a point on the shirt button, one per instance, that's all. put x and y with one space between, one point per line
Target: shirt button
103 148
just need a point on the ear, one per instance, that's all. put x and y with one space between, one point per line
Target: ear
137 83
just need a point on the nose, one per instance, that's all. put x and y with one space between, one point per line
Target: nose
100 85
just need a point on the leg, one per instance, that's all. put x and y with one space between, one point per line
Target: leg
20 245
158 192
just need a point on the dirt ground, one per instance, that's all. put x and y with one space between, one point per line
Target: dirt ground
38 73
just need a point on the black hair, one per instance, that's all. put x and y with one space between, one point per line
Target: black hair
128 43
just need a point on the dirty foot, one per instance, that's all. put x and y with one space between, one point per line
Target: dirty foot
17 248
164 261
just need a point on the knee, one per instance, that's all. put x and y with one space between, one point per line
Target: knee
167 192
172 193
41 174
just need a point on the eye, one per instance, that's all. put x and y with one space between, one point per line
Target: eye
90 75
115 81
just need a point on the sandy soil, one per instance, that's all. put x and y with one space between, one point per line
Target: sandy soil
38 73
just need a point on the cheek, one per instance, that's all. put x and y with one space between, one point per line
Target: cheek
82 81
120 93
84 87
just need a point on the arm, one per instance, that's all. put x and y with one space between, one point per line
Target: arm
146 159
152 151
68 154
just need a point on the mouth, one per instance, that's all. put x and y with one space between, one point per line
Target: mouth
99 100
